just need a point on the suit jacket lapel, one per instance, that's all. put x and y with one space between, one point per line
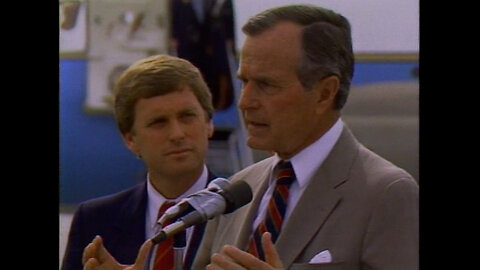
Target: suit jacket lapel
318 200
129 227
310 213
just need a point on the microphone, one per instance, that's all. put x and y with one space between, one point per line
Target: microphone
193 201
225 201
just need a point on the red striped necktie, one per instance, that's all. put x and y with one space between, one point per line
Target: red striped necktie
284 177
164 254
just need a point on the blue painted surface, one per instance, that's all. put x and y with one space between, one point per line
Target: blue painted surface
371 72
227 117
93 158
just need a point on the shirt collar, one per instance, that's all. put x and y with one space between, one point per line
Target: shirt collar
155 199
307 161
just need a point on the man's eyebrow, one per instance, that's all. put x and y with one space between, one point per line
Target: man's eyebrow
157 118
263 79
188 110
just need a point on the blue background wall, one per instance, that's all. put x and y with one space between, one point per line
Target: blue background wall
93 158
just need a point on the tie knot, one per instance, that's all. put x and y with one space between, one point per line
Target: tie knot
164 207
284 174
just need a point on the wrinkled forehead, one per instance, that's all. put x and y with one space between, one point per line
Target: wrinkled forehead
277 47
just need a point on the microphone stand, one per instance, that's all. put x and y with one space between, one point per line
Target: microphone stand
179 243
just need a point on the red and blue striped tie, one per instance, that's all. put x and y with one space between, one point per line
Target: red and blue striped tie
284 176
164 254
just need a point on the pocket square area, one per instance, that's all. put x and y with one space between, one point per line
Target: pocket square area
322 257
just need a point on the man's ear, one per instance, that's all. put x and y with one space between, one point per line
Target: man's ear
326 91
130 142
210 128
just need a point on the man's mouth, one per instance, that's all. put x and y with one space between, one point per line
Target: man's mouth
255 124
178 152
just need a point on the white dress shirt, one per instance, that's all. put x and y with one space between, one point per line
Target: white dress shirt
155 200
305 163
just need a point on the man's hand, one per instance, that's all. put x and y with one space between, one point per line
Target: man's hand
97 257
236 259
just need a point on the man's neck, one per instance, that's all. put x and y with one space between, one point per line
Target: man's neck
322 127
172 186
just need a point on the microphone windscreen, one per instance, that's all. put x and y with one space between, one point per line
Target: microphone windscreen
237 195
218 183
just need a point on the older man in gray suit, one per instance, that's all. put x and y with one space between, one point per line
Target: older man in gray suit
347 207
337 205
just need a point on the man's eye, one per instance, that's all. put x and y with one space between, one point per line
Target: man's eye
263 84
268 88
158 122
189 115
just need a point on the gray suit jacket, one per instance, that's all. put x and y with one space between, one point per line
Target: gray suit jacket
358 206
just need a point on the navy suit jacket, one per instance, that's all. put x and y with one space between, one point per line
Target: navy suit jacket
120 220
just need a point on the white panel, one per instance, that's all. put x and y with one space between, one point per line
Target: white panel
120 33
378 26
72 39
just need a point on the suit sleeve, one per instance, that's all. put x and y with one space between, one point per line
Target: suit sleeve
229 20
72 259
391 241
175 16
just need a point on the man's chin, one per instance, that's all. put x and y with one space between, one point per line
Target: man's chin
182 164
257 144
